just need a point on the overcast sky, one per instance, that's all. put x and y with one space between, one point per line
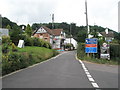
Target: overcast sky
100 12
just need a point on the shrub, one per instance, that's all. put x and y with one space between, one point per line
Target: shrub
36 41
5 48
6 39
81 51
28 41
115 52
14 48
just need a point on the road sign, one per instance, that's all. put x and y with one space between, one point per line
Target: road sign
91 45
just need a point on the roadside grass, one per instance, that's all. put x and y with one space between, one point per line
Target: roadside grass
100 61
25 57
42 52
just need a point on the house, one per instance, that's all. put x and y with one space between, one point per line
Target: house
72 41
109 36
53 36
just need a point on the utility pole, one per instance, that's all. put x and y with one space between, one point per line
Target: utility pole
70 34
87 22
86 18
0 21
52 30
52 21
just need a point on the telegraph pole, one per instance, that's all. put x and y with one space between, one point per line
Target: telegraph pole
52 29
70 33
0 21
87 22
52 21
86 18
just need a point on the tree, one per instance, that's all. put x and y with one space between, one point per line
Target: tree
8 27
15 34
28 30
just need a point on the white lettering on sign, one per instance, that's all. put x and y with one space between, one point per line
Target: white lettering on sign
21 44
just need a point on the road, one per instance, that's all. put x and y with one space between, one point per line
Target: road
63 71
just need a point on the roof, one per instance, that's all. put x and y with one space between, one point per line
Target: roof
55 32
110 34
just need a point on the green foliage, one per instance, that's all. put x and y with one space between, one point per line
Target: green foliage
5 48
6 39
81 51
28 41
115 55
6 21
5 44
8 27
14 48
28 30
36 41
25 57
115 52
15 34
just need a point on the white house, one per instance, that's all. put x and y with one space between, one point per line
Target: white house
73 41
54 36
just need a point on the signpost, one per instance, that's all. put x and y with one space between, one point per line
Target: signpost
91 45
105 53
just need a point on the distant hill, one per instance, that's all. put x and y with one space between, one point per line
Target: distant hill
78 32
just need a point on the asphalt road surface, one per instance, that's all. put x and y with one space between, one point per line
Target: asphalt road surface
63 71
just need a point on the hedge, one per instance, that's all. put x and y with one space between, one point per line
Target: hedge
115 52
25 57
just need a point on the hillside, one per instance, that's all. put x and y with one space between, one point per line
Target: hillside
78 32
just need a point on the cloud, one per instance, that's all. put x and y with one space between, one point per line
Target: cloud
29 11
102 12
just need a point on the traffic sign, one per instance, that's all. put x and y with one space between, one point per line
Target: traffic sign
91 45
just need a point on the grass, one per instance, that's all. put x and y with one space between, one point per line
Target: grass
37 51
100 61
25 57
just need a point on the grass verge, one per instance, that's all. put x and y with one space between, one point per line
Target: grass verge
25 57
99 61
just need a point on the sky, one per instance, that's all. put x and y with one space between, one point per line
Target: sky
100 12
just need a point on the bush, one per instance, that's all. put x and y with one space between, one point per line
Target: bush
81 51
6 39
28 41
14 48
5 48
36 41
25 57
115 52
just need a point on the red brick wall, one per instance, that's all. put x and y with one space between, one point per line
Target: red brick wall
45 35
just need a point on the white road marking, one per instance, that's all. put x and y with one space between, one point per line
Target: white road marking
91 79
95 85
87 73
89 76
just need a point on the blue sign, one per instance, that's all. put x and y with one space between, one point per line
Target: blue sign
91 49
91 45
91 41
